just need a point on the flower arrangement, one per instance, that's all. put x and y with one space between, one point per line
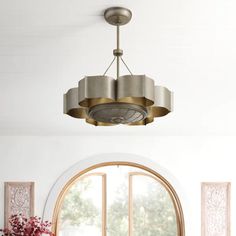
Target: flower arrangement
22 226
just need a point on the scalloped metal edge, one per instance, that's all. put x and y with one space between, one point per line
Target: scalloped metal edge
163 99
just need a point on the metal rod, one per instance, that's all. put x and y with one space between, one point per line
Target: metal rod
118 56
109 66
117 37
118 47
126 66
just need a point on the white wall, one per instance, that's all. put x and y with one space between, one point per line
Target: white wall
190 159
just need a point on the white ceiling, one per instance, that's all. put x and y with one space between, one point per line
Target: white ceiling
46 46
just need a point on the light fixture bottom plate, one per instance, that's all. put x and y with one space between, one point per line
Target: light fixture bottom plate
117 113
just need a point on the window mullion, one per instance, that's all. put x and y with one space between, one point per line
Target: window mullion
104 205
130 205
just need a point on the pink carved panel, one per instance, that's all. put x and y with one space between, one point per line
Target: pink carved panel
19 199
216 209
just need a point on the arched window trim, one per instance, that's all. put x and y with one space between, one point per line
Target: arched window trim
58 191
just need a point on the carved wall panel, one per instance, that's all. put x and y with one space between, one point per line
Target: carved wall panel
19 199
215 209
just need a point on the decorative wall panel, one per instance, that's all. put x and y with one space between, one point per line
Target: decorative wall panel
19 199
215 209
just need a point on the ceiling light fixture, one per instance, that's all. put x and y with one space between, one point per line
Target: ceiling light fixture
129 99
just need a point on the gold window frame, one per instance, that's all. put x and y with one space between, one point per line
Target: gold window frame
155 175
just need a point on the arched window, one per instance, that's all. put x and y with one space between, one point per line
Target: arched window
118 199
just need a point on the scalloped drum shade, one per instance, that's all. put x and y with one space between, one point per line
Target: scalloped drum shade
131 99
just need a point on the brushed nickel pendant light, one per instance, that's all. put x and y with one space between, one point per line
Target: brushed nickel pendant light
129 99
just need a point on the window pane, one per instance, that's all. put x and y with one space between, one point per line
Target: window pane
153 209
81 212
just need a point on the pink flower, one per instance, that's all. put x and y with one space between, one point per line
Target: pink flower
22 226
